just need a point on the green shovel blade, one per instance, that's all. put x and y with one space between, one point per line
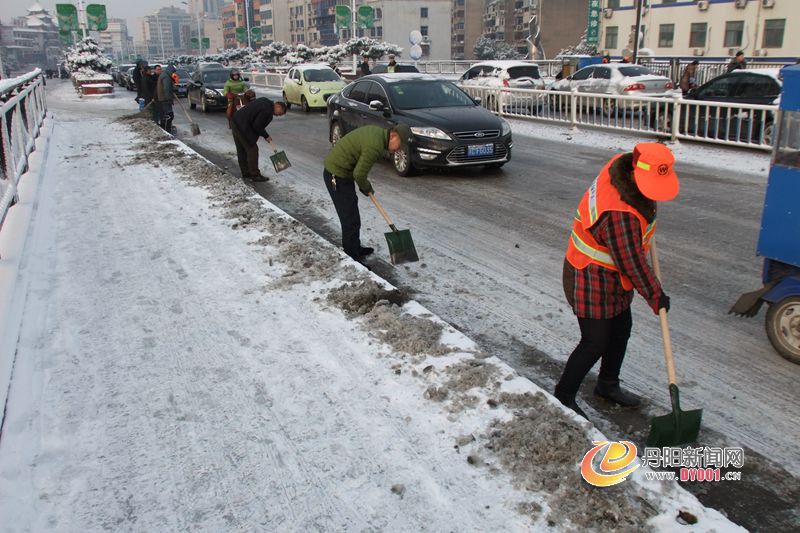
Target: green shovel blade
280 161
677 428
401 246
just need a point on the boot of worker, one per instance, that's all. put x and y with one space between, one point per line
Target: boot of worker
568 400
610 390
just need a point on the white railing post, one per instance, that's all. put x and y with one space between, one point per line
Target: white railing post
677 101
573 108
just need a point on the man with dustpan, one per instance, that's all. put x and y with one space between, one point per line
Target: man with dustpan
248 125
606 260
347 166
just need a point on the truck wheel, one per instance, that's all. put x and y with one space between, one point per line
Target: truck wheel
783 327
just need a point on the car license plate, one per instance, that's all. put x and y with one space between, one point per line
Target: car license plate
477 150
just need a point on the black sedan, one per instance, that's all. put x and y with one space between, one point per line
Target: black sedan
205 89
184 78
450 128
752 86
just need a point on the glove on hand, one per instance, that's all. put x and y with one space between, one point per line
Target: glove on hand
366 191
663 301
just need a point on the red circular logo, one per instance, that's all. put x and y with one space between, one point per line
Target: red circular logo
663 169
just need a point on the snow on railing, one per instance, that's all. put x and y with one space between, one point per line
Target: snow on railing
745 125
22 110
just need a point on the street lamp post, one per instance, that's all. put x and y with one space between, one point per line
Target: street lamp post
160 36
199 35
247 21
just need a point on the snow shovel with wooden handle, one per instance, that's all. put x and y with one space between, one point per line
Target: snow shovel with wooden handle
279 159
678 427
401 246
195 128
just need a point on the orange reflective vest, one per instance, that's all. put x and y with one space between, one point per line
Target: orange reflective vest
602 196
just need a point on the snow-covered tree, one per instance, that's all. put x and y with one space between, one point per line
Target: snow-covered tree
583 48
86 56
274 51
487 48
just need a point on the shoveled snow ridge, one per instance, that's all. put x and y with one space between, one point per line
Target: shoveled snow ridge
501 423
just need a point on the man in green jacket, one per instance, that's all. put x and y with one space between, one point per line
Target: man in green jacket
346 166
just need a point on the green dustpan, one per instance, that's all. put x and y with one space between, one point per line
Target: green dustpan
401 245
279 159
678 427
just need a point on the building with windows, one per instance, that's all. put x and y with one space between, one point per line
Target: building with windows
166 32
115 40
713 29
244 14
561 23
467 27
31 40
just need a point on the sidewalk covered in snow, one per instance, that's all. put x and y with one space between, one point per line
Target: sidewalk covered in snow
191 358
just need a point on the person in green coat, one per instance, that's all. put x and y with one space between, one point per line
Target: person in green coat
234 88
347 166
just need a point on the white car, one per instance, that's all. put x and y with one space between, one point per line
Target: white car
618 79
493 74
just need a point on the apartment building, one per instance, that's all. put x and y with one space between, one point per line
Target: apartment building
711 29
242 14
115 39
166 32
466 27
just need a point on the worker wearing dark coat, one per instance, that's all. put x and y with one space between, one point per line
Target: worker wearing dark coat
248 124
165 93
347 166
606 260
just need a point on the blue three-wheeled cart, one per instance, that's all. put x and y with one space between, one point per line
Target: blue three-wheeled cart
779 239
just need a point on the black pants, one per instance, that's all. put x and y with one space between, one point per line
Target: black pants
166 116
246 154
345 200
600 338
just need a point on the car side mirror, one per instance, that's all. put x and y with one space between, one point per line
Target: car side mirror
299 82
477 100
692 91
376 105
569 78
247 79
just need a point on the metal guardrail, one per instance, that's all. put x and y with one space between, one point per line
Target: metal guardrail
22 111
744 125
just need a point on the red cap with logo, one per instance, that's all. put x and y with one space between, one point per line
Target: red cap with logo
653 171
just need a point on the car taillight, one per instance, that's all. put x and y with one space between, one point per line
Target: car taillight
669 85
505 83
634 87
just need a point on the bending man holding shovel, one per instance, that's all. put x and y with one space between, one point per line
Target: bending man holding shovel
606 260
248 124
347 166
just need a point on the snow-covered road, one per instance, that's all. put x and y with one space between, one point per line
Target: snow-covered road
192 359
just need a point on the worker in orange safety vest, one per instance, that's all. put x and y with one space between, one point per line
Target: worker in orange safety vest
606 259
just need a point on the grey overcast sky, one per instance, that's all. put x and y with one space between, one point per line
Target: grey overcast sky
126 9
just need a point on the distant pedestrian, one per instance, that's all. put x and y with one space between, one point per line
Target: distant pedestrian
689 77
363 68
165 94
249 123
137 78
335 67
737 62
392 66
347 166
149 80
606 260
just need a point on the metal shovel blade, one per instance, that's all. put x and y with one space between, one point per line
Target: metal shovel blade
280 161
401 246
677 428
195 129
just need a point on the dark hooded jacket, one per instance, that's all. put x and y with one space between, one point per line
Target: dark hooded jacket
164 88
252 120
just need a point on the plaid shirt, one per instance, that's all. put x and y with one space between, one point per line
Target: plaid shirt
595 291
